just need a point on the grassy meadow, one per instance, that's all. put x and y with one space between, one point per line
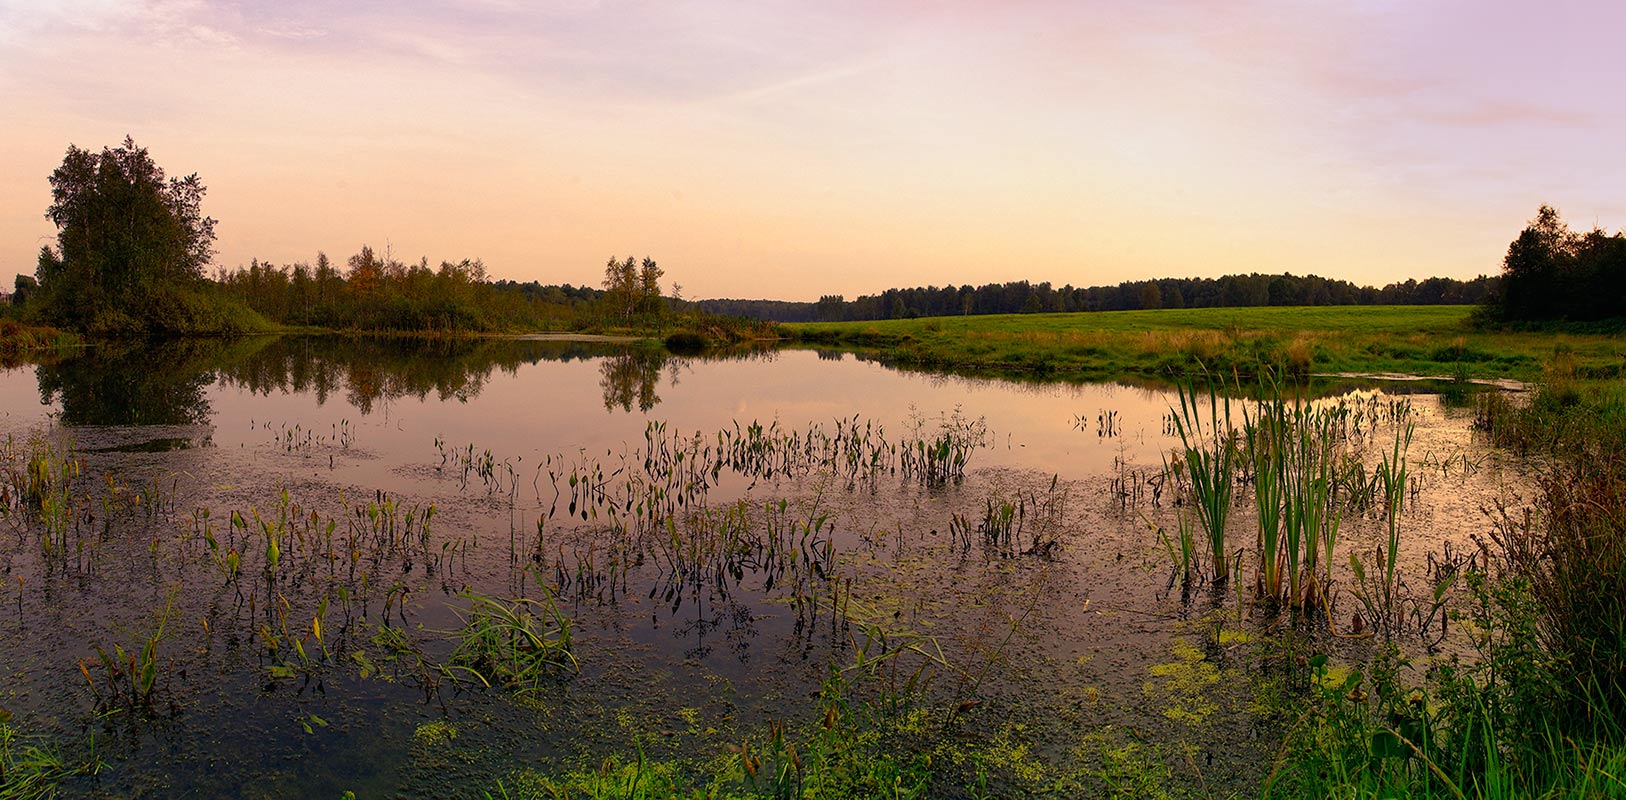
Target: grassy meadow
1436 341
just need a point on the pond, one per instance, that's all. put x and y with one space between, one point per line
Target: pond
309 531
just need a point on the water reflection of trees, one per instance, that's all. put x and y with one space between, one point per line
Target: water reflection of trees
630 379
166 383
368 371
138 383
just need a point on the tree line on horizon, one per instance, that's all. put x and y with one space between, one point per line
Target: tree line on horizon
380 292
1022 297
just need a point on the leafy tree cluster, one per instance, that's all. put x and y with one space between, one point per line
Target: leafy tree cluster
632 288
132 244
1552 273
1022 297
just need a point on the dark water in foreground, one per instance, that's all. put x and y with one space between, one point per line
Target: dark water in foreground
689 635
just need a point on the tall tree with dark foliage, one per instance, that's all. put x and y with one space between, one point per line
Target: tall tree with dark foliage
125 233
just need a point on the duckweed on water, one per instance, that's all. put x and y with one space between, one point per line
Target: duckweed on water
1182 687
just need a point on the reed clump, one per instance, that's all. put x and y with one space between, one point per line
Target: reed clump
1294 449
1301 462
515 644
1209 459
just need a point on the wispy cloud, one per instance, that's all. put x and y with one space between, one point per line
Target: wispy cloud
840 72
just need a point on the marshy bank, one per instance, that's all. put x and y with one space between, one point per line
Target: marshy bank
299 567
1441 342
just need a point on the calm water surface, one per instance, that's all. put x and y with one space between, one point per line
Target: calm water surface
1065 623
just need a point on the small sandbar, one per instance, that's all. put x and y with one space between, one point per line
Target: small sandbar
1505 384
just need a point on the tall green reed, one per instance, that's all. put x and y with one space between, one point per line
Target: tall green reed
1294 447
1380 592
1209 451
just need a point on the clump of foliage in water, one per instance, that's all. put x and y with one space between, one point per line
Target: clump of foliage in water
1495 725
1571 550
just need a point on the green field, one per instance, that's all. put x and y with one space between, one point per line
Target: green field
1434 341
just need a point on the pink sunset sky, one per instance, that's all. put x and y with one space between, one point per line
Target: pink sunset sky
787 150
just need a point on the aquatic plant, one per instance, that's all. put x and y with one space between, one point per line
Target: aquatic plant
1181 548
1005 520
1380 591
1293 447
32 768
511 643
1209 460
940 458
131 677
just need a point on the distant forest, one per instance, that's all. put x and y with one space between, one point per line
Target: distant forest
133 244
1022 297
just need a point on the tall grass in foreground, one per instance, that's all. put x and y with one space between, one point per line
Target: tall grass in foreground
1209 452
33 768
1483 728
1572 549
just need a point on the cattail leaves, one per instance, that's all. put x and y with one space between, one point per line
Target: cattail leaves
1209 451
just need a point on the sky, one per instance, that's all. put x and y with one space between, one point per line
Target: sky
787 150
